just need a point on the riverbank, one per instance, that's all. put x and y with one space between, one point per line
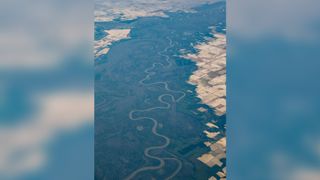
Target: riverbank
210 82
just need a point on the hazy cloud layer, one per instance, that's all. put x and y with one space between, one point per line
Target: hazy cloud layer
291 19
44 82
107 10
24 145
38 34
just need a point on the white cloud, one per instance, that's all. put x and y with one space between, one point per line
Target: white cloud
23 145
40 34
